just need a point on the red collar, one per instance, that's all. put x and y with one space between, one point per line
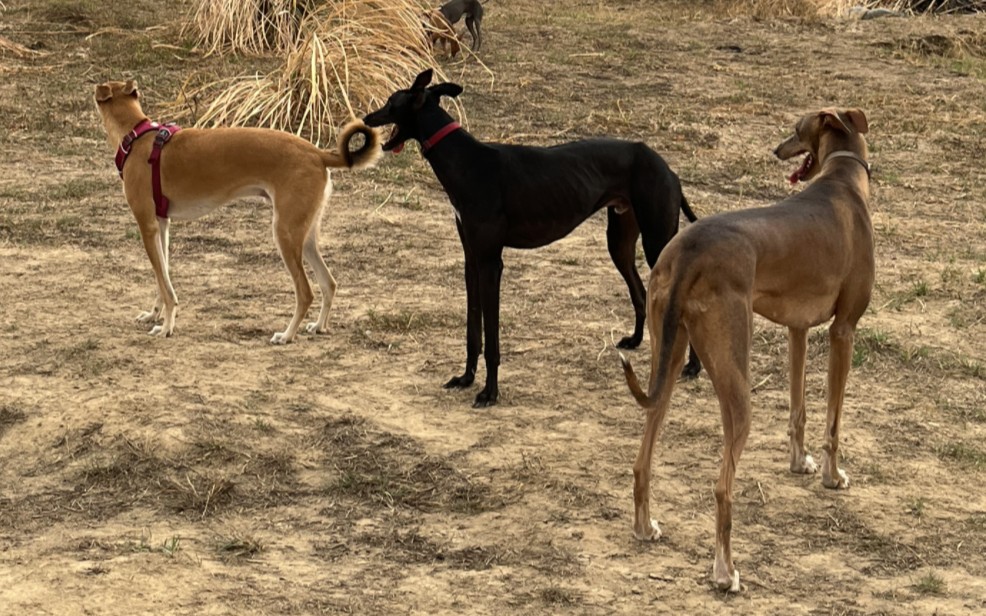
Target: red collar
123 151
443 132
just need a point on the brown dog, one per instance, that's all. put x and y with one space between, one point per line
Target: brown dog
799 263
203 169
441 33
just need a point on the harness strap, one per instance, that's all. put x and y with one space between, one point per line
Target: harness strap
443 132
161 202
164 134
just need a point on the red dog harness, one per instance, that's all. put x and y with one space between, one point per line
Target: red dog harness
164 134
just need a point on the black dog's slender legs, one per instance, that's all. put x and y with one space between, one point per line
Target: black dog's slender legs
621 239
474 321
490 270
473 26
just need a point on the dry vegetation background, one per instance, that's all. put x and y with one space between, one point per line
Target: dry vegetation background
212 473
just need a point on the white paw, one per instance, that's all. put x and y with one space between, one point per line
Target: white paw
651 533
806 467
147 317
158 330
729 584
312 328
839 482
280 338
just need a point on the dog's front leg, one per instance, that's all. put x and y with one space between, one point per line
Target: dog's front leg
164 237
474 327
156 242
490 270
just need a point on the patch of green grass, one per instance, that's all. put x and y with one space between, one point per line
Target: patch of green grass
916 508
930 584
980 276
963 454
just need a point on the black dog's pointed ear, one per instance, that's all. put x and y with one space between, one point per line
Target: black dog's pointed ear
423 79
446 89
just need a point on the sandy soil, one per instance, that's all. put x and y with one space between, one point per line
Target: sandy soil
212 473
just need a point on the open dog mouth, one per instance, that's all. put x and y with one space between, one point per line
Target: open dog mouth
394 143
802 172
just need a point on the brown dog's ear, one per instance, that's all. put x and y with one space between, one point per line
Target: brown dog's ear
858 120
103 93
831 117
130 88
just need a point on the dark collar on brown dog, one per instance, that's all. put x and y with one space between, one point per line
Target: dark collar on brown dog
856 157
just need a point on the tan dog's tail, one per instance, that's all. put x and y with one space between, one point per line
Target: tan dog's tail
660 361
366 156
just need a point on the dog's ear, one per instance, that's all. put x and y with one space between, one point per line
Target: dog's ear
130 88
446 89
423 79
103 93
830 117
858 120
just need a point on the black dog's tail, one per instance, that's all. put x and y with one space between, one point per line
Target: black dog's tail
689 214
365 156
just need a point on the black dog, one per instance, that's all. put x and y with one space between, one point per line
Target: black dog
526 197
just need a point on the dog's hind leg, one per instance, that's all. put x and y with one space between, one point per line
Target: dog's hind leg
723 335
326 283
621 239
473 24
290 234
645 527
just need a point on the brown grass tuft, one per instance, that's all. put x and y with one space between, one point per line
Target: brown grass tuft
342 57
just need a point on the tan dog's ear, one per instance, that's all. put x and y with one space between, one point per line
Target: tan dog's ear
858 120
831 117
103 93
130 88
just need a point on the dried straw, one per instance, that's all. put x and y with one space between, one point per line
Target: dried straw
342 57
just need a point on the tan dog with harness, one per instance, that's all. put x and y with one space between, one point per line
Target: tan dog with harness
204 169
798 263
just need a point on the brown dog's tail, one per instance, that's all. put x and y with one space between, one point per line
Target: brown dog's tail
660 362
366 156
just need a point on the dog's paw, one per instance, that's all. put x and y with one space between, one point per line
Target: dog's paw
485 398
629 342
159 330
313 329
839 482
651 531
280 338
728 583
460 382
805 466
148 317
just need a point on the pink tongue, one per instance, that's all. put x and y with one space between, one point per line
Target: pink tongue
794 177
799 175
398 149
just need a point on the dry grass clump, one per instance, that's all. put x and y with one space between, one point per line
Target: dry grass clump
809 9
342 57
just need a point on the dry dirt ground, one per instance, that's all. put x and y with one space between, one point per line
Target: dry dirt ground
213 473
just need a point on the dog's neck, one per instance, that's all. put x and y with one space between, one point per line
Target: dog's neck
850 155
120 121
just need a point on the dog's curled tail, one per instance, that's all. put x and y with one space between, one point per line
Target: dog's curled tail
366 156
660 358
